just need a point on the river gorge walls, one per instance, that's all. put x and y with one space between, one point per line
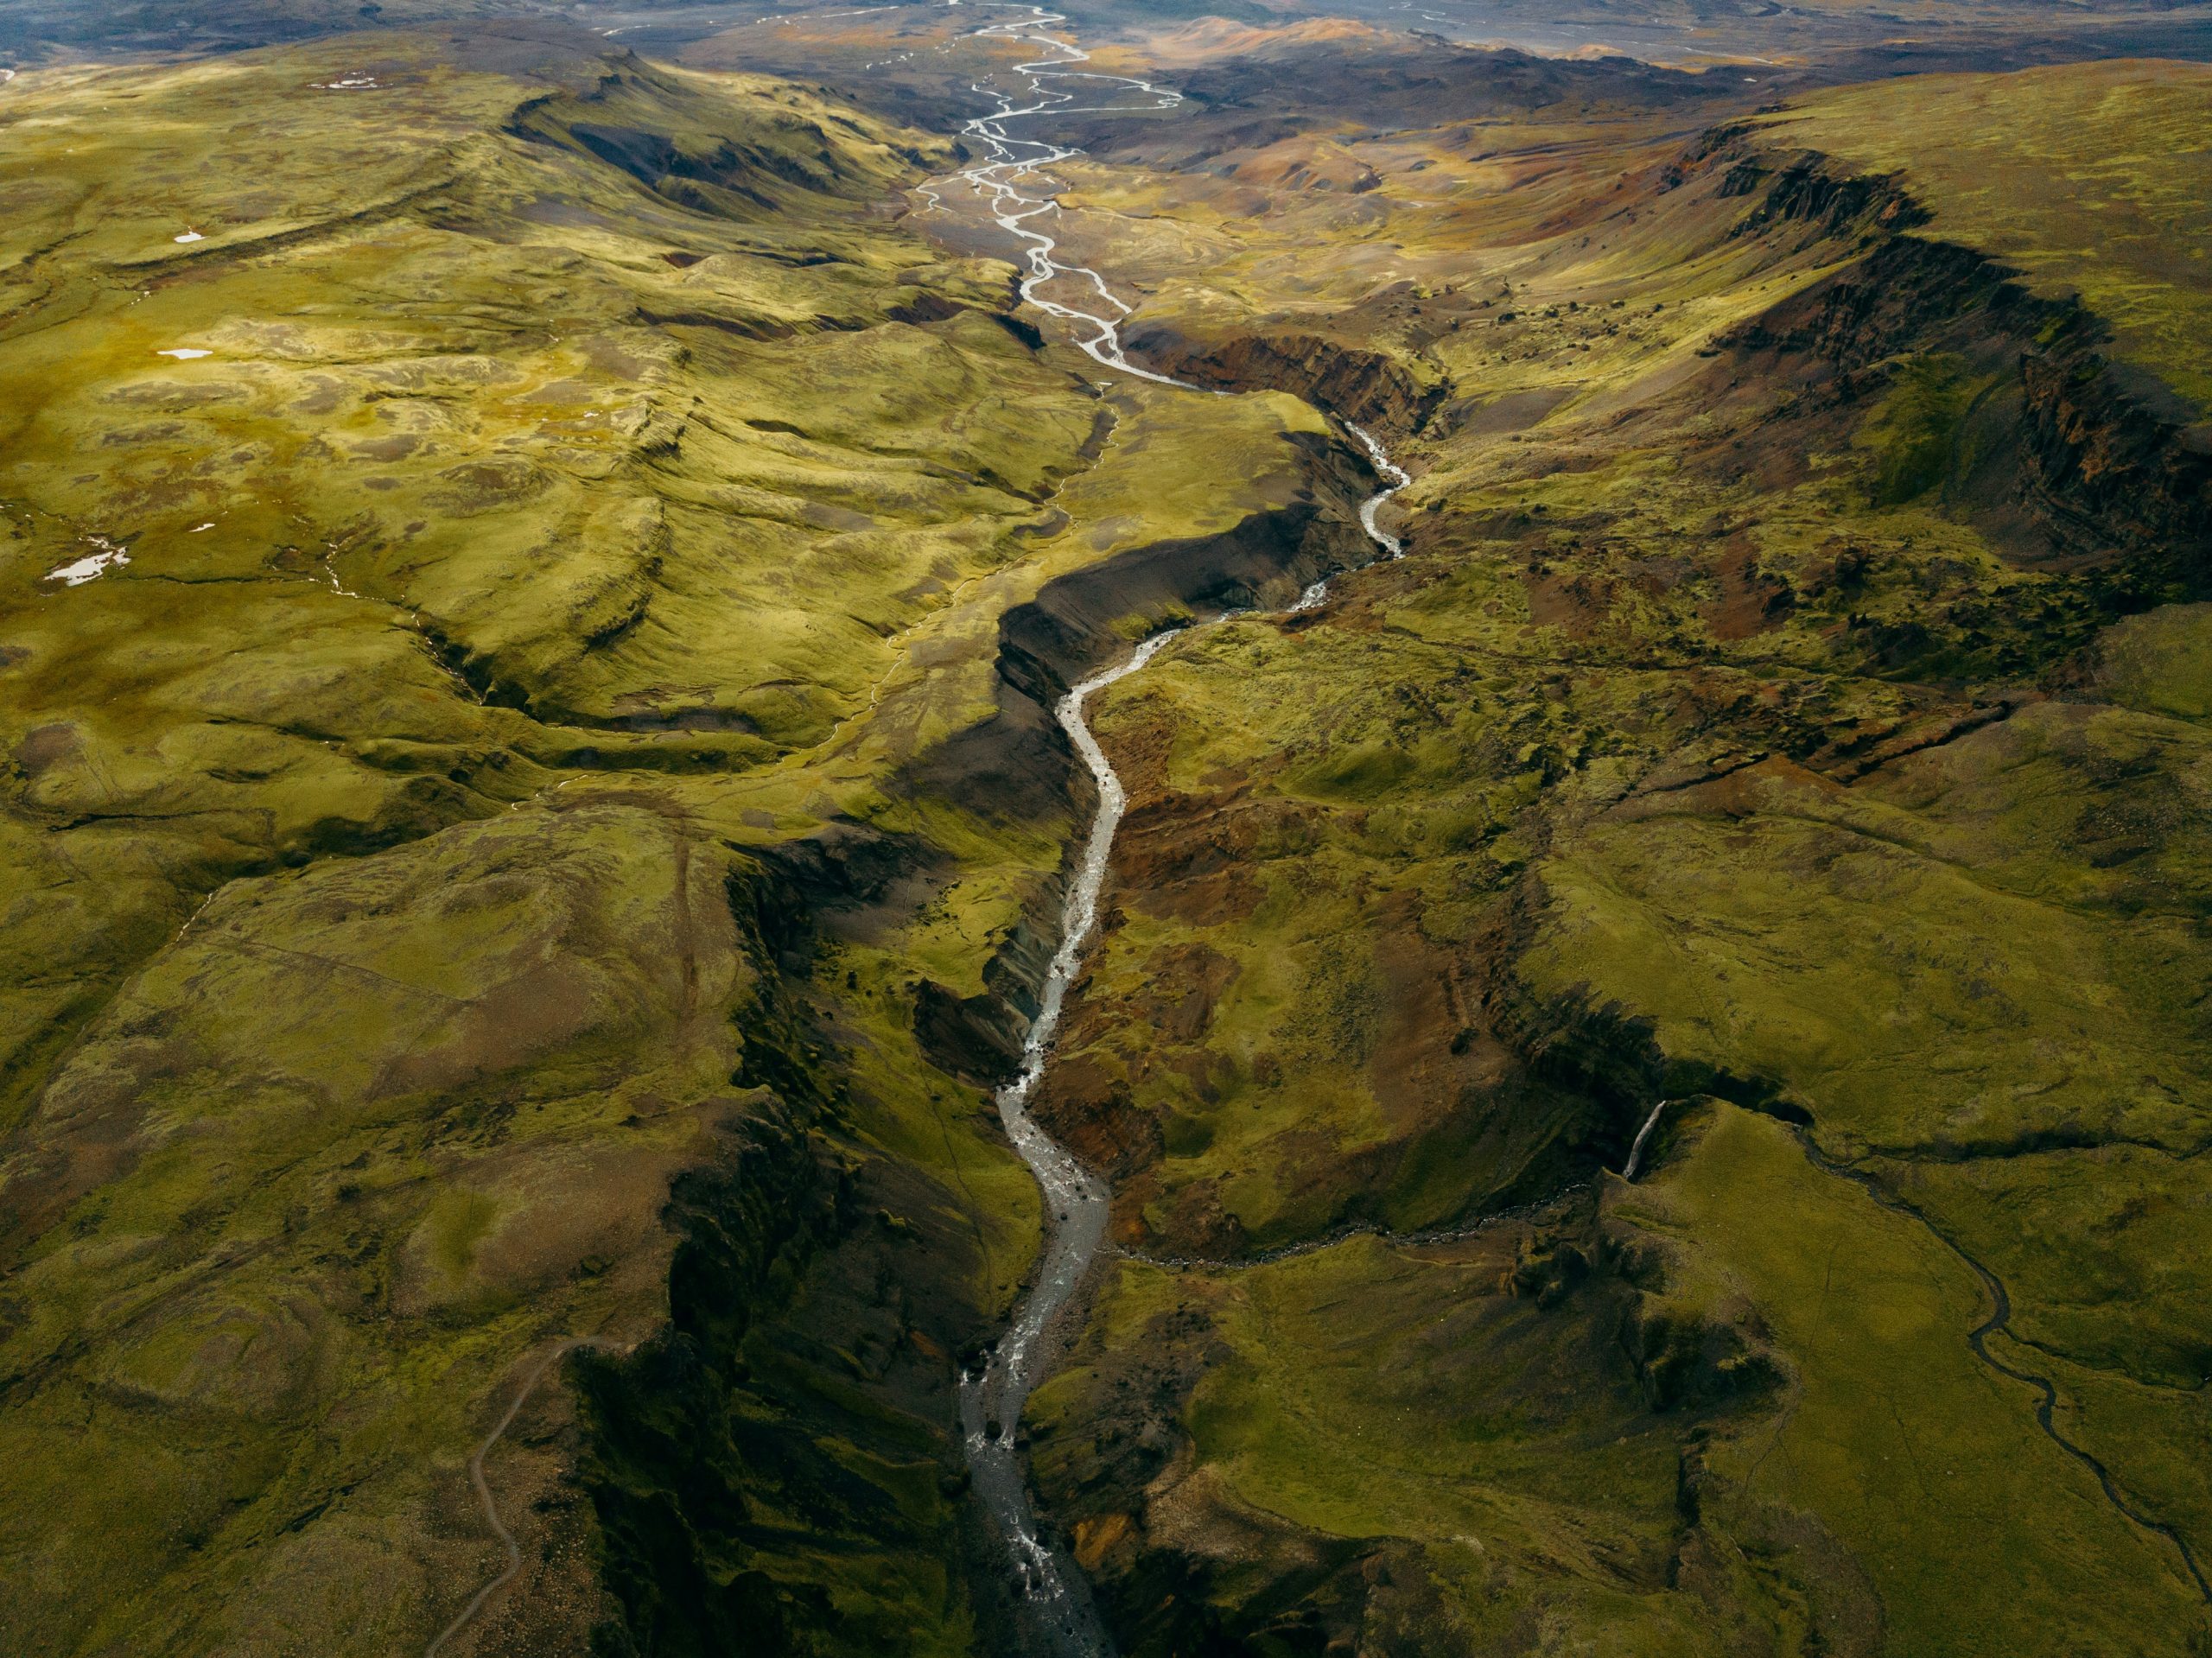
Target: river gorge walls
1076 625
1391 394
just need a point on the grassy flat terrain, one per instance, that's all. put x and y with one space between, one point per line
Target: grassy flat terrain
2002 160
1919 1459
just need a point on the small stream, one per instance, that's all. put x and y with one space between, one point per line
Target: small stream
1076 1202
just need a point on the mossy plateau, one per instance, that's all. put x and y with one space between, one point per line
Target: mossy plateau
533 816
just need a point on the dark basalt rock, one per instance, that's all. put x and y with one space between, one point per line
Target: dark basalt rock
1367 386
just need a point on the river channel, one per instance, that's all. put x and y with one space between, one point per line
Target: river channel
1019 195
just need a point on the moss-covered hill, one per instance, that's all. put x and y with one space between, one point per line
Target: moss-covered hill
1791 710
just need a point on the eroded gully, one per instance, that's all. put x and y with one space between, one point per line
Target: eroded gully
1018 196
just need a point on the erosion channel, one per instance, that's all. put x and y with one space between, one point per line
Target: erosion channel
994 1390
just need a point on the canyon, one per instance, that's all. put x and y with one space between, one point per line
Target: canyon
957 828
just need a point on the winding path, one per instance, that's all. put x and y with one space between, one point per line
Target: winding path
992 1395
507 1543
1998 1323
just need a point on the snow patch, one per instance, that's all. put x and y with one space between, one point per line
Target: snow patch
91 566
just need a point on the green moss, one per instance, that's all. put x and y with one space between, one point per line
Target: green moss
2161 662
1913 433
456 1223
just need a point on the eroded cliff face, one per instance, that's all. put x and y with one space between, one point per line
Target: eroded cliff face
1386 391
2120 465
2097 462
680 1455
1075 626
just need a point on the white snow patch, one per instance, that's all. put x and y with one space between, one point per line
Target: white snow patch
91 566
184 353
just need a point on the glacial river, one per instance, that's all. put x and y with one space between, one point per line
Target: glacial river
1019 197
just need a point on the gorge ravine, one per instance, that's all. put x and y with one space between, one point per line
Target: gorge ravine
1076 1202
994 1388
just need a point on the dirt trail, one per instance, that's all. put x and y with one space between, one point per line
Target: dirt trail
514 1550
